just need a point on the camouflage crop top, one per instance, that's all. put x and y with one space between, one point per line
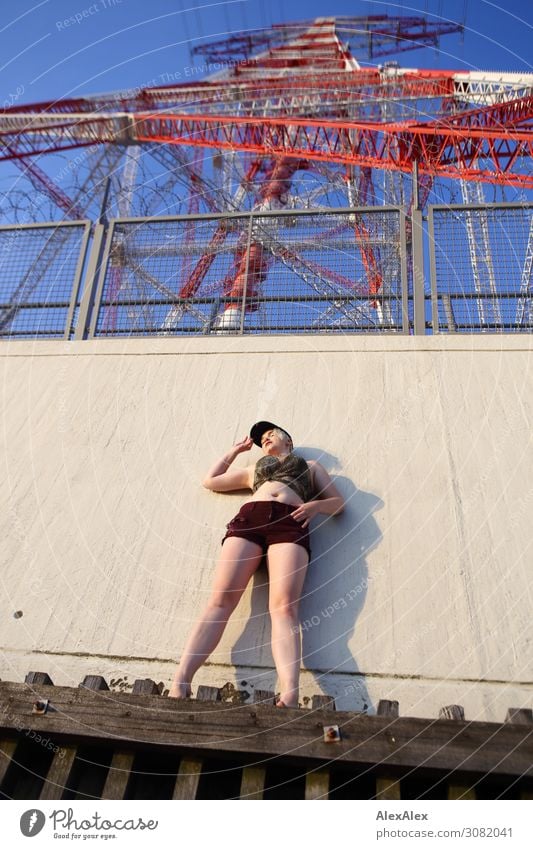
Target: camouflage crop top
293 471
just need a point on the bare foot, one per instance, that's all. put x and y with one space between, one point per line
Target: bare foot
180 690
284 703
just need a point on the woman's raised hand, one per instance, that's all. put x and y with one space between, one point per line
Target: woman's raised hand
244 445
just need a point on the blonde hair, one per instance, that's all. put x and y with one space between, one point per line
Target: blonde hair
283 434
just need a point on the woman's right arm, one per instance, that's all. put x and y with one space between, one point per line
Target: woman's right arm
220 478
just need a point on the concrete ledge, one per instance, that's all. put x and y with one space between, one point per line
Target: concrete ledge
305 343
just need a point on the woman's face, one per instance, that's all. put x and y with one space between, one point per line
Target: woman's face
275 442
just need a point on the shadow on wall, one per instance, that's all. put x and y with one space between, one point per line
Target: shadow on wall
333 597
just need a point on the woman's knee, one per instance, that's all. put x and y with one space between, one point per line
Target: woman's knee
224 601
283 607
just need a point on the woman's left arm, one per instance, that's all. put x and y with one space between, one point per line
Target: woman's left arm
328 499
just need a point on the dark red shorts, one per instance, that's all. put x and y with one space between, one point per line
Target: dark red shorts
266 523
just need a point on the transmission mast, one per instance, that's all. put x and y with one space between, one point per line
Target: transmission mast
287 118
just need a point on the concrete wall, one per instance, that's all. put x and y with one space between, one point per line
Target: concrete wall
420 591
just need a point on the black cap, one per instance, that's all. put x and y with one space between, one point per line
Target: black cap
259 428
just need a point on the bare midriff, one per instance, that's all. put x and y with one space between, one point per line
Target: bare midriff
276 491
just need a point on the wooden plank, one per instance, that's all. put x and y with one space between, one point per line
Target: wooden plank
520 716
253 782
207 694
460 791
388 707
452 712
317 784
322 702
38 678
94 682
263 697
58 774
145 687
388 787
118 776
190 769
188 779
7 750
80 714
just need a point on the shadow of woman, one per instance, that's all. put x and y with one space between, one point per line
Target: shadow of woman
333 597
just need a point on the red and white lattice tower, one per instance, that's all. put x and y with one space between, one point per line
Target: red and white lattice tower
287 118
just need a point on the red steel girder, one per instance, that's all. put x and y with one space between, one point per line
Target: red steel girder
42 182
509 114
421 84
251 265
441 148
23 136
205 262
495 136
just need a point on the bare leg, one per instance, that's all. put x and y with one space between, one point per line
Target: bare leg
287 565
238 561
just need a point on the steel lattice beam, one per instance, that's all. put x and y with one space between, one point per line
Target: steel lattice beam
298 101
480 144
450 149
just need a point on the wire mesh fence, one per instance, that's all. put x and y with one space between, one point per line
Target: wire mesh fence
40 273
268 272
327 273
271 272
481 260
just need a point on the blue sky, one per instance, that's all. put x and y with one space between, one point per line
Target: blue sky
128 43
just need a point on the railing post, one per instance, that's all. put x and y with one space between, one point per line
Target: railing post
417 249
433 279
93 270
247 266
403 275
91 276
77 280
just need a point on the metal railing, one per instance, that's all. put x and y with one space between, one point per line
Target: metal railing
271 272
481 263
260 272
40 275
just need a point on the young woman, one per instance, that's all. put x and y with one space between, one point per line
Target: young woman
287 492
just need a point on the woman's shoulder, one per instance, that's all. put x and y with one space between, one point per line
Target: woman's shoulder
314 470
